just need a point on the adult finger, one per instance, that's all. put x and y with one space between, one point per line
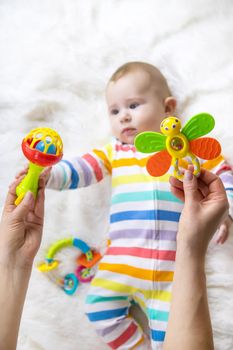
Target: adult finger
177 188
216 188
208 178
39 206
46 170
174 182
203 188
190 186
24 206
11 196
178 193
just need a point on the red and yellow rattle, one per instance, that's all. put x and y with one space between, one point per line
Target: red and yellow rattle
42 147
176 143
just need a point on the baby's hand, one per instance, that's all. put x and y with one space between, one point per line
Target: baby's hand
223 231
45 173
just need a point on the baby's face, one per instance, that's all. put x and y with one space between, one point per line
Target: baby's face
134 106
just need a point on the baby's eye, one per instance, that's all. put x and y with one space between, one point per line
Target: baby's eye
133 105
114 111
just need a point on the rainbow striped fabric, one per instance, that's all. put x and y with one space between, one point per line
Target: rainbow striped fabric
139 263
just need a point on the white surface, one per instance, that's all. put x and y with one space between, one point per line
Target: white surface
56 57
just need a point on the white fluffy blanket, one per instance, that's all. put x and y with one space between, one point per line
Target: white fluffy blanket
56 57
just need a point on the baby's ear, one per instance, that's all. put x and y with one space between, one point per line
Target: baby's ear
170 105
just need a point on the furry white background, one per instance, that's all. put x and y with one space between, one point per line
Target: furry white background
55 59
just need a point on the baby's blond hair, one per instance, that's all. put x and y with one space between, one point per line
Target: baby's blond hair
157 77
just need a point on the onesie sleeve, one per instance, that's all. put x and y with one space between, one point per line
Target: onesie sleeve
82 171
220 167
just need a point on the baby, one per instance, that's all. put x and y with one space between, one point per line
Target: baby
139 262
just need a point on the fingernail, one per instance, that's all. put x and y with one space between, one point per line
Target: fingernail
188 175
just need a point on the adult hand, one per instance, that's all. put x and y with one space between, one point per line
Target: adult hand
206 206
21 227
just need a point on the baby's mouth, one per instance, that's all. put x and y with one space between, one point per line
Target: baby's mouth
128 131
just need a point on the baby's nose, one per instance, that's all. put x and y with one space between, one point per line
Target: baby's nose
125 116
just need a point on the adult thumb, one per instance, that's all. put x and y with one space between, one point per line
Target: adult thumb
25 206
190 186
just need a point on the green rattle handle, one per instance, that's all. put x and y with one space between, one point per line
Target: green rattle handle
29 183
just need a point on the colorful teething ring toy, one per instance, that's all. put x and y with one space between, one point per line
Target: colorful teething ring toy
82 274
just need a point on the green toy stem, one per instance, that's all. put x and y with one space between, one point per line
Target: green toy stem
29 183
57 246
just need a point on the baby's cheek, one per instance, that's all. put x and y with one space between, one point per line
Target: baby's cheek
115 129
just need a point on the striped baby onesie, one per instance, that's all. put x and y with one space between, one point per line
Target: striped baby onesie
138 265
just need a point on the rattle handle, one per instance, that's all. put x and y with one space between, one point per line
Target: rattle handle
29 182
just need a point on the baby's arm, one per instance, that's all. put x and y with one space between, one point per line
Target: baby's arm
81 171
